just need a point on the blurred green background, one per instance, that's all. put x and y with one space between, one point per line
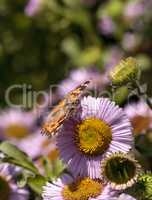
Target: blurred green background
42 40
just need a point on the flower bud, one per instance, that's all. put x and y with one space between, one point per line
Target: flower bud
126 71
120 95
143 187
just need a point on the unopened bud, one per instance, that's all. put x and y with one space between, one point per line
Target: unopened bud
143 187
126 71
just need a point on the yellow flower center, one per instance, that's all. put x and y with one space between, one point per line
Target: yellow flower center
82 189
16 131
93 136
4 189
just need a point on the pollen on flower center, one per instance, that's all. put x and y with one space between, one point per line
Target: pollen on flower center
4 189
93 136
16 131
82 189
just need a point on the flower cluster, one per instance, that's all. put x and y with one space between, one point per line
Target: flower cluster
100 146
93 143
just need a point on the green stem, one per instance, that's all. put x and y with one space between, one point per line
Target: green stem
141 92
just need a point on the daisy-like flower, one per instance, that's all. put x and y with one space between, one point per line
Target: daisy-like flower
140 116
85 188
120 170
16 124
8 189
98 128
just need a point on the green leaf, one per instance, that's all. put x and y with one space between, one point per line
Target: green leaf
57 168
22 178
36 183
53 169
17 157
21 181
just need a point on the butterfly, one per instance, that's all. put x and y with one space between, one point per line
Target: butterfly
63 110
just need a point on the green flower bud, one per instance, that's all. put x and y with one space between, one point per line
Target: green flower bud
142 190
120 95
126 71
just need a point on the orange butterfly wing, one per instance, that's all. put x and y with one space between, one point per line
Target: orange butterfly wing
63 110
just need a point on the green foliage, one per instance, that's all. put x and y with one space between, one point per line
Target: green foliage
62 35
30 175
52 169
144 143
36 183
142 190
17 157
